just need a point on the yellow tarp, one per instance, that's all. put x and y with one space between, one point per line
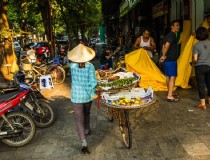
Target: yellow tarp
183 63
185 35
205 23
139 62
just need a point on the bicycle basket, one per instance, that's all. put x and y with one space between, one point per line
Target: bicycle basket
26 65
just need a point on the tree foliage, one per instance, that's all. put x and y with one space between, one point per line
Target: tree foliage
76 18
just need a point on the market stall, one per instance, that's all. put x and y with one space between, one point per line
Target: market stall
119 92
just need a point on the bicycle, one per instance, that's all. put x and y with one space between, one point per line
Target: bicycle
121 114
35 71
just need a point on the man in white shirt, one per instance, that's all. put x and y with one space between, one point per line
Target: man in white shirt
147 42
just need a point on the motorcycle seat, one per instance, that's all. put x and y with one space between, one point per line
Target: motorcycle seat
9 96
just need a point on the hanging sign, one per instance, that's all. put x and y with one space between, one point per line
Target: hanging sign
127 5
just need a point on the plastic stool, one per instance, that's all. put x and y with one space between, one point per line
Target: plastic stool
104 67
45 82
56 60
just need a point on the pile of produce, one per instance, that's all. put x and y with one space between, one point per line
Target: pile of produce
116 79
118 83
128 102
132 97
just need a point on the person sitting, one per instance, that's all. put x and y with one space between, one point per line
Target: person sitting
147 42
106 58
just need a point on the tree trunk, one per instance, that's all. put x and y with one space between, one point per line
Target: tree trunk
8 58
45 9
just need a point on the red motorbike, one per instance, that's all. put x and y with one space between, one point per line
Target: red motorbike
16 128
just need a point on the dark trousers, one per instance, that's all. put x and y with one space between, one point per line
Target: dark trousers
109 62
202 74
82 116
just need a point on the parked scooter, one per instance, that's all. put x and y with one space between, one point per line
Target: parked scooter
35 104
38 107
16 128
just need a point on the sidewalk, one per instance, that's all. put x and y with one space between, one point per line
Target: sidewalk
165 131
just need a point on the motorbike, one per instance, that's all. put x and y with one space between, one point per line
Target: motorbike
38 107
16 128
44 57
35 104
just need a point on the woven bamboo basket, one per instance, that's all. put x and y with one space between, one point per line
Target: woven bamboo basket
27 66
146 104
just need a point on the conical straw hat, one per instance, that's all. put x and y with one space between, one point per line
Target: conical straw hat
81 54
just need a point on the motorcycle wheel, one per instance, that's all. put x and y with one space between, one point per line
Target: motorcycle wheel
22 121
58 74
45 117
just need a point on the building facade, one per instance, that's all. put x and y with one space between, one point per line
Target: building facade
131 16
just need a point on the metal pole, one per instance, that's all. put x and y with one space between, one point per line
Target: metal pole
195 14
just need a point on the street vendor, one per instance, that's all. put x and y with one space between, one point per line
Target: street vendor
106 58
82 89
147 42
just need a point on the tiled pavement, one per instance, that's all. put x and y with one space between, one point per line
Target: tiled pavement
166 131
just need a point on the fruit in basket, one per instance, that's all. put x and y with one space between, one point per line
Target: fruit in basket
127 100
123 103
138 98
121 100
119 82
113 78
118 103
137 102
132 100
102 73
113 102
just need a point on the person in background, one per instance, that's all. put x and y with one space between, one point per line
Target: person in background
206 22
83 89
201 61
106 58
147 42
169 57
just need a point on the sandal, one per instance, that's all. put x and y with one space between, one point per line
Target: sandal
201 106
173 100
175 94
208 101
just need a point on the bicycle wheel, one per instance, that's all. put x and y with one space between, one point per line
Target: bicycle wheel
30 77
58 74
125 128
109 114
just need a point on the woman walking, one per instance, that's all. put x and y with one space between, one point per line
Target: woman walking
82 89
201 61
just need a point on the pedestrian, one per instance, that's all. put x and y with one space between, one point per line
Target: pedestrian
82 89
106 58
201 61
147 42
206 22
169 57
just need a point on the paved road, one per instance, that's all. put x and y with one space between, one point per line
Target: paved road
166 131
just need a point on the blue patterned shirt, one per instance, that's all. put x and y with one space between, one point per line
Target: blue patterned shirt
83 82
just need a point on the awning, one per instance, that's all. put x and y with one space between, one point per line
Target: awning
127 5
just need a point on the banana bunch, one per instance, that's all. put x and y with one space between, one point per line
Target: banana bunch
119 83
128 102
